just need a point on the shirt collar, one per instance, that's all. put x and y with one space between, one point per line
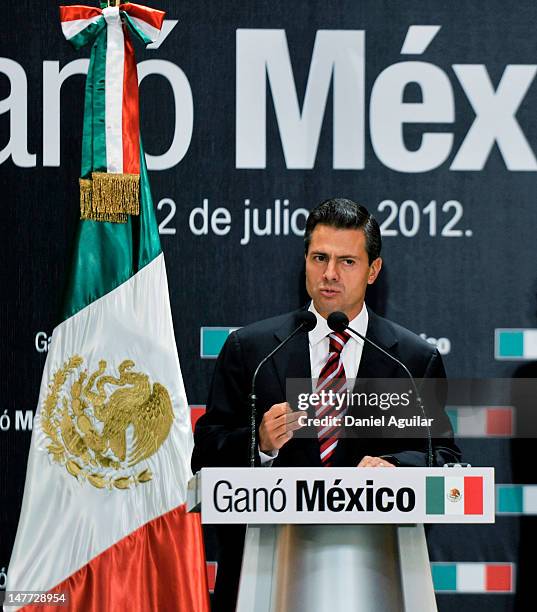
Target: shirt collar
319 333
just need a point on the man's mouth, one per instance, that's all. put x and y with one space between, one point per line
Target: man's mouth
328 292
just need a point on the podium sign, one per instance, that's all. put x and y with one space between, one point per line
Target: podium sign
347 495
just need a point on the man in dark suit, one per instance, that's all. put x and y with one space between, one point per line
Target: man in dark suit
343 245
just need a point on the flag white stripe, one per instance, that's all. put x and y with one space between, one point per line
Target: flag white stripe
454 506
66 522
115 66
149 30
71 28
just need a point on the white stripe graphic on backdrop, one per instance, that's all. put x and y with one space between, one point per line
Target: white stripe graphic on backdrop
470 577
530 344
472 421
115 62
529 499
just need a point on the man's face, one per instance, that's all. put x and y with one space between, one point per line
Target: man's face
338 270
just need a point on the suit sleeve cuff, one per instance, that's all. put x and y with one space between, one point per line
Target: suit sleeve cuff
267 458
391 459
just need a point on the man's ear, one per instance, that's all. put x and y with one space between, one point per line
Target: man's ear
374 270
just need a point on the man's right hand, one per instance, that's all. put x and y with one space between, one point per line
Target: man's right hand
277 426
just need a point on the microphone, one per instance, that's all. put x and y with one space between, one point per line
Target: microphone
307 321
339 322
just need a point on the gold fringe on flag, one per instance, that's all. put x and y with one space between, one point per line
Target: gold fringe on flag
109 197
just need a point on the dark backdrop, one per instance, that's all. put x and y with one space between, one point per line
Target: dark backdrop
455 289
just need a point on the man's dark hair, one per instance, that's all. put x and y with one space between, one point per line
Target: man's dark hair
346 214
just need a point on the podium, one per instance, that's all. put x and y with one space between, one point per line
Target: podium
330 539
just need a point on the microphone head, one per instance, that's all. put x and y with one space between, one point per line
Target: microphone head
337 321
307 319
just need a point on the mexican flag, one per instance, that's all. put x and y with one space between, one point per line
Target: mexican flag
103 518
454 495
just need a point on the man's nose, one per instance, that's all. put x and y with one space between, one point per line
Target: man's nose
331 272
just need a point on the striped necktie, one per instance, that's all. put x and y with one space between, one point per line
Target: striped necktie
331 378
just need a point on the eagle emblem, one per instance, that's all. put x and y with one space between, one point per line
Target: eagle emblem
100 426
454 495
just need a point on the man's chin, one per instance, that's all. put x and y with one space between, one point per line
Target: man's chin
326 307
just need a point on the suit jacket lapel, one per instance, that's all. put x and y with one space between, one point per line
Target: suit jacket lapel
373 364
293 361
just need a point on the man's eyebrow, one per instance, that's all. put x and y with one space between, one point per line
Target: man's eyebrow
338 257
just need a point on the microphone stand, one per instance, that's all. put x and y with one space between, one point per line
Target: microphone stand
419 401
253 398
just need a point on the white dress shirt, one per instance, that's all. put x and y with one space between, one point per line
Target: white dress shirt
319 344
352 351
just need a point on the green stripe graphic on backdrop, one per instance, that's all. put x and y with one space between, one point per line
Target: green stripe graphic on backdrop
515 344
516 499
212 340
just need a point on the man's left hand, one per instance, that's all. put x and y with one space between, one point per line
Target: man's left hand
368 461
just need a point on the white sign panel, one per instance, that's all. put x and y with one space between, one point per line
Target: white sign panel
347 495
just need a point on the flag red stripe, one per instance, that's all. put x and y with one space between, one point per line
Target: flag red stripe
473 495
131 113
195 413
160 566
212 569
72 13
151 16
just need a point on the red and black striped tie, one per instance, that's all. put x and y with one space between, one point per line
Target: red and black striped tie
332 377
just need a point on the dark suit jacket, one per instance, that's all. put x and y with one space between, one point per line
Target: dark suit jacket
222 435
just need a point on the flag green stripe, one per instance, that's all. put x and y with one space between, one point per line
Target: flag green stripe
87 128
136 30
87 35
149 239
108 254
434 493
94 130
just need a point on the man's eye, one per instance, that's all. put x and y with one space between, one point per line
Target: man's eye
349 262
319 257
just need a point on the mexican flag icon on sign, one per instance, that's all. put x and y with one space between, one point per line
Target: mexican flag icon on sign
454 495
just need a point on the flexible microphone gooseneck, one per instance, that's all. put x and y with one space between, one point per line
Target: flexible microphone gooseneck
339 322
307 321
